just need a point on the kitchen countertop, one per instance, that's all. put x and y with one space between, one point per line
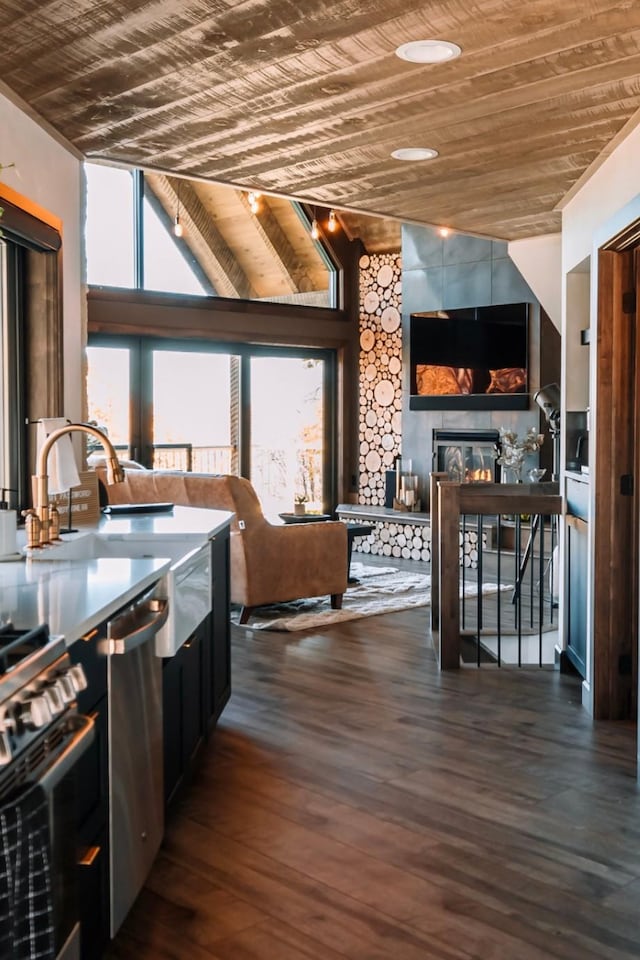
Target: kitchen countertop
73 596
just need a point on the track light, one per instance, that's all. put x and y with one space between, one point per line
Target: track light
332 222
444 231
178 229
253 199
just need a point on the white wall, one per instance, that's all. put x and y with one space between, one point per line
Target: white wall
539 260
607 202
613 185
50 175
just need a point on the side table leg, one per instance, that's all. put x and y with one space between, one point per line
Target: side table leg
350 538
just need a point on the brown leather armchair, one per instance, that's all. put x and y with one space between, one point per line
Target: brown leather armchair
269 563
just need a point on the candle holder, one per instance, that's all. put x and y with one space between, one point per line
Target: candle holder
406 488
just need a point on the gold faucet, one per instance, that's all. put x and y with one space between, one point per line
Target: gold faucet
115 473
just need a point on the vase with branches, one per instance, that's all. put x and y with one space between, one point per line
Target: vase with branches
513 451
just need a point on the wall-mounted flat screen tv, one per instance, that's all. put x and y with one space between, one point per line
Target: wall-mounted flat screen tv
470 359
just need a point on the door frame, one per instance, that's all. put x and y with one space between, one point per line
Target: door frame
616 514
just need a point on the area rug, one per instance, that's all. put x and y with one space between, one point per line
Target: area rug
379 590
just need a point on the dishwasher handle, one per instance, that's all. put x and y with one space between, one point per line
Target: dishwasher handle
138 625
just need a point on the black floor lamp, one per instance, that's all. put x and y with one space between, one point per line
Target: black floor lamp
548 399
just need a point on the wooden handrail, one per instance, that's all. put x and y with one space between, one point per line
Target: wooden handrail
449 501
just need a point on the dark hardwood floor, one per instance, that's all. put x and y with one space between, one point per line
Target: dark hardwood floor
355 804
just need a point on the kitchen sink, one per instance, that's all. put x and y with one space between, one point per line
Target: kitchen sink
186 585
92 546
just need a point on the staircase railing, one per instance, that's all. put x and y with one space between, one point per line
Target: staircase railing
496 542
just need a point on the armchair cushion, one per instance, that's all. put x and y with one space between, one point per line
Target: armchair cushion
269 563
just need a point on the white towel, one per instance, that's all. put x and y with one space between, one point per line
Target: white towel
61 467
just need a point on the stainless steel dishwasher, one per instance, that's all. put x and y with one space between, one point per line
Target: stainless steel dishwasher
136 801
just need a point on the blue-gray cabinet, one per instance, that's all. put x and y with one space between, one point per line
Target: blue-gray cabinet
577 570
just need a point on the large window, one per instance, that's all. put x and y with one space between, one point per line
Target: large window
287 405
167 234
109 229
264 413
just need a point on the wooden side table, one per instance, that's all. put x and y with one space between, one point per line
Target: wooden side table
303 517
355 530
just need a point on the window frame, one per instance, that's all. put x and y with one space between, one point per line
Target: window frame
141 396
32 247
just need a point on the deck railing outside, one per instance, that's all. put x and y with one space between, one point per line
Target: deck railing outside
493 572
189 457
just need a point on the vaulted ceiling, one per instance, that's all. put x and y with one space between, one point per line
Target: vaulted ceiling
306 98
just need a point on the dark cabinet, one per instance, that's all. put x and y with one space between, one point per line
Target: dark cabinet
182 706
196 682
92 802
219 667
577 552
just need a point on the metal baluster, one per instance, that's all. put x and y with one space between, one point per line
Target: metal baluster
541 591
464 534
479 582
519 597
499 601
532 536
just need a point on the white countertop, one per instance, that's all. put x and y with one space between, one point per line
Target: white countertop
180 523
73 596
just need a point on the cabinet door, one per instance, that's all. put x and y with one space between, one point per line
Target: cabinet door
577 570
221 628
93 896
192 698
183 712
172 724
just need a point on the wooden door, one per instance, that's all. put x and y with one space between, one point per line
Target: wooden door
616 515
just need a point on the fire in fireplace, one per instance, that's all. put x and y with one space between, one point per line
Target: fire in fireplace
467 455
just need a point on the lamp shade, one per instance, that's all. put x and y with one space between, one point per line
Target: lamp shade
548 399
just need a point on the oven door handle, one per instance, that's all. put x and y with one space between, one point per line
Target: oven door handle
136 626
80 741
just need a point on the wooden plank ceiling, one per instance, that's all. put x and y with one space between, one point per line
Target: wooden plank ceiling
308 99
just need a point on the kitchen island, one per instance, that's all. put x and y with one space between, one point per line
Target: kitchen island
150 713
71 590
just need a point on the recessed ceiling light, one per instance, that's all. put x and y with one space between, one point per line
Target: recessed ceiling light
414 153
428 51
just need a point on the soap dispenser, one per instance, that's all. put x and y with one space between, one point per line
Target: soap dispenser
8 528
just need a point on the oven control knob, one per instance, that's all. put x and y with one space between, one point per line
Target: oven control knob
36 712
78 678
5 748
66 689
53 698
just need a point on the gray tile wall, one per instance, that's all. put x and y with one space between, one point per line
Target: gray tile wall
447 273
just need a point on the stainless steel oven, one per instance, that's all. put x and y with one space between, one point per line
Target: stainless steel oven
42 737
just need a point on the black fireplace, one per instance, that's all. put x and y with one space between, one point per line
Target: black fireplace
467 455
